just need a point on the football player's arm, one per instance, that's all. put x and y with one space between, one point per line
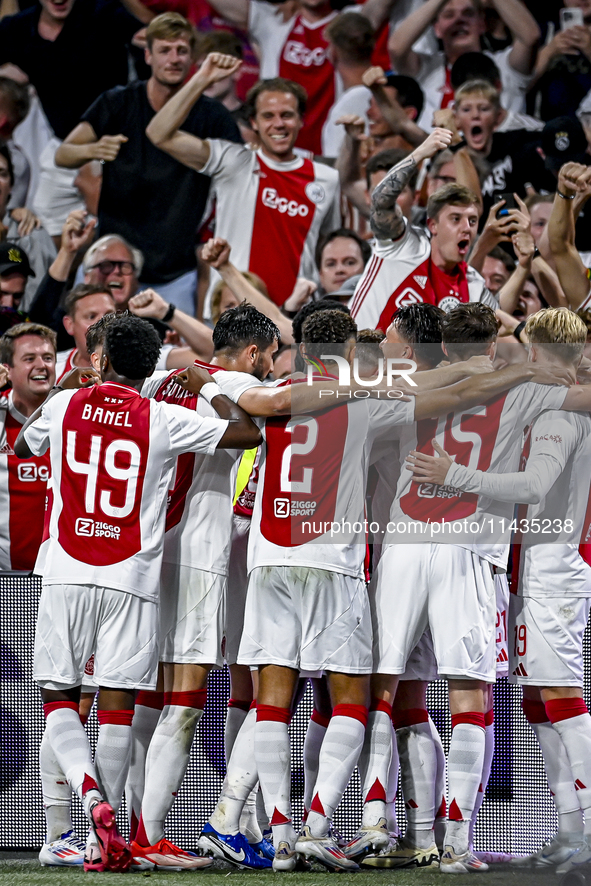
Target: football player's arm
241 433
164 128
545 463
385 216
480 388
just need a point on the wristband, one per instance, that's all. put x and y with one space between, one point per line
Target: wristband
458 147
565 196
536 253
518 330
209 391
169 313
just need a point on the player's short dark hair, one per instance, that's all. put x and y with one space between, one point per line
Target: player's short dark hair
18 331
95 334
421 326
474 66
408 91
219 41
385 160
468 329
354 37
335 328
17 97
133 347
275 84
503 256
452 194
369 336
364 246
325 304
6 154
82 290
242 326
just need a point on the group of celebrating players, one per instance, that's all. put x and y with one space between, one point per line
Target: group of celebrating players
206 515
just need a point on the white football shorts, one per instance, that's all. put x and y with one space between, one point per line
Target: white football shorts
308 619
446 588
192 615
547 640
502 644
76 620
422 664
237 586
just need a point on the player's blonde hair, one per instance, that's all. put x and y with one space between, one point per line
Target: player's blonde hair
561 330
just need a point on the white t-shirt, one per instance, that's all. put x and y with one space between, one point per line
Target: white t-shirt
199 512
353 101
487 438
313 474
555 484
431 78
400 272
112 457
272 213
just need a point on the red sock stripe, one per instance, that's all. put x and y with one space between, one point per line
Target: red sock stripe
564 708
271 712
56 705
535 711
253 704
378 704
194 699
148 699
319 718
409 717
238 703
473 718
355 711
489 717
84 719
116 718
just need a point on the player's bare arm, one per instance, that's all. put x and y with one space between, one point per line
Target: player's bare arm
82 145
480 388
164 128
386 218
241 433
76 378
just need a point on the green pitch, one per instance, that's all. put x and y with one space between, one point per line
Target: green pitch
23 869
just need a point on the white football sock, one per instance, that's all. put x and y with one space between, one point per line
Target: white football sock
72 751
375 760
489 752
338 757
464 770
418 773
241 778
168 757
317 726
273 760
440 823
249 825
145 720
575 732
557 766
113 753
57 793
392 787
236 714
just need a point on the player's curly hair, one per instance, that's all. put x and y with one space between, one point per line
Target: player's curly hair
329 326
243 326
95 334
133 347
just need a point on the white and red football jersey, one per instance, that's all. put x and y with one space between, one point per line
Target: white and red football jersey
313 475
297 50
113 453
23 493
556 478
400 272
272 213
199 512
486 438
64 363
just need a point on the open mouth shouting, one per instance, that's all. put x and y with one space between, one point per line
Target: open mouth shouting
464 246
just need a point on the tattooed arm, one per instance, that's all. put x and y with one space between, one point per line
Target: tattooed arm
386 219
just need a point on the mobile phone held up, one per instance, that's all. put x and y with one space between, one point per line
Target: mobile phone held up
510 203
571 18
